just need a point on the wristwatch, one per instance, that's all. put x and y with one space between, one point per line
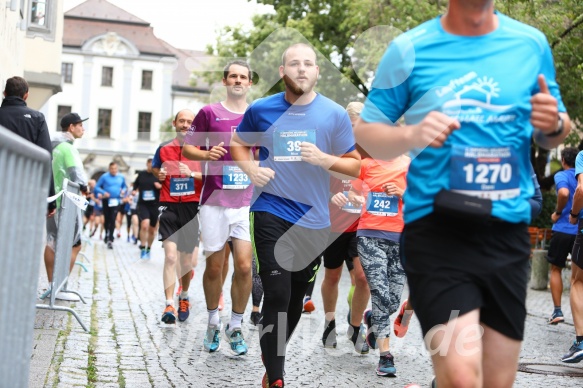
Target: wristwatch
192 174
558 212
573 215
559 130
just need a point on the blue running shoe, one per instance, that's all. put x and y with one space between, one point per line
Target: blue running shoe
183 309
169 315
575 354
212 338
236 341
386 366
147 255
556 318
143 254
371 338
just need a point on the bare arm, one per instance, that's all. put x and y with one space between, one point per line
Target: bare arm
194 153
241 154
432 131
577 200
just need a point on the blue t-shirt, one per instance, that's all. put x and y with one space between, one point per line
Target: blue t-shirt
486 83
112 184
566 180
299 192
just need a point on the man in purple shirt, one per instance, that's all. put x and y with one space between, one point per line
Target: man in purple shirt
225 199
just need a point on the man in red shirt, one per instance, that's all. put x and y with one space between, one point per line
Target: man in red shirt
179 197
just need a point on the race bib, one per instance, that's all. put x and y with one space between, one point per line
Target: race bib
350 207
235 178
286 144
113 202
381 204
148 195
485 172
181 186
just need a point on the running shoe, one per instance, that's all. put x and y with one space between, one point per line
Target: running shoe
109 245
255 318
371 338
359 341
308 305
183 309
169 315
386 366
329 336
212 338
556 318
575 354
265 383
147 255
401 324
143 254
221 302
238 345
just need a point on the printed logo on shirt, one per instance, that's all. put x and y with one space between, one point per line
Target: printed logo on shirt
295 114
473 100
28 116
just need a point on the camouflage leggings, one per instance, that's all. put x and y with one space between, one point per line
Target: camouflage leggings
386 278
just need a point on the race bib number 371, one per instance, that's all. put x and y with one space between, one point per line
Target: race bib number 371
491 173
286 144
181 186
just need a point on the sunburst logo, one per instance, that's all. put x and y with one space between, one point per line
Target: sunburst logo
489 87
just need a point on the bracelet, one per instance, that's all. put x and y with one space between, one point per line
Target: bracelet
573 215
558 212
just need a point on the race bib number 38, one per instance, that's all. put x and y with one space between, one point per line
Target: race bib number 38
490 173
381 204
181 186
235 178
286 144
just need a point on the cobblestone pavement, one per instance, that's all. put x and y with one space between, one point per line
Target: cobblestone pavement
128 346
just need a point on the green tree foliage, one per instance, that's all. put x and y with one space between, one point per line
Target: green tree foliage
341 31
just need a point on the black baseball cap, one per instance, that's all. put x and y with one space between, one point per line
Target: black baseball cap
71 118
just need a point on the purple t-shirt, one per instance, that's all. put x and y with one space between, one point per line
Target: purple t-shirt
224 184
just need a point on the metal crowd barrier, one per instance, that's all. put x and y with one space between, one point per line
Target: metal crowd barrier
25 174
69 215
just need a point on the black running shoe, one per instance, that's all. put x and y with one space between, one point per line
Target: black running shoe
329 336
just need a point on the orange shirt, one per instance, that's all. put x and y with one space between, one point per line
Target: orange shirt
382 212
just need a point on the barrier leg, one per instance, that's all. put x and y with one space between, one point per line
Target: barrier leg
62 308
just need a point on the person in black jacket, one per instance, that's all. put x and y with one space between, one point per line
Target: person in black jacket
25 122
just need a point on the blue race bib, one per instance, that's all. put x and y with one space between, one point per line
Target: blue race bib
350 207
234 178
181 186
381 204
485 172
148 195
286 144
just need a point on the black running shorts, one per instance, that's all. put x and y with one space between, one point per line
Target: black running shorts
559 248
341 247
281 246
148 212
577 254
179 224
455 267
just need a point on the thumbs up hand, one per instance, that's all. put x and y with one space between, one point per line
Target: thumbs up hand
545 111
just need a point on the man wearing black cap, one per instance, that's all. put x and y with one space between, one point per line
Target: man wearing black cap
24 121
66 164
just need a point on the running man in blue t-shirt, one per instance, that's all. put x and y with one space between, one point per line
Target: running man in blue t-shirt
474 86
563 236
303 136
